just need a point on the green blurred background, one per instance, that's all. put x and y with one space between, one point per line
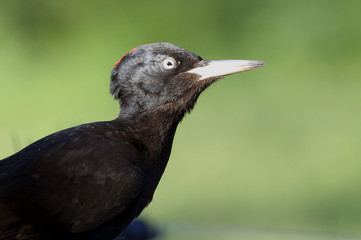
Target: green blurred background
273 153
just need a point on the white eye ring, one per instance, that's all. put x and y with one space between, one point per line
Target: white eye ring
169 63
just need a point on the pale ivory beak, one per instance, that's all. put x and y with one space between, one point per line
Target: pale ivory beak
221 68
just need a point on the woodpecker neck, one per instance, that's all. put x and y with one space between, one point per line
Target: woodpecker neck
153 132
154 126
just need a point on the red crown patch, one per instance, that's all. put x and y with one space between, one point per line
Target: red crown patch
124 56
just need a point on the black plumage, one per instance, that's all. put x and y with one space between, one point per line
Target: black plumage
91 181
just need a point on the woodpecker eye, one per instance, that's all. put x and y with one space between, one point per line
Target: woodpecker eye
169 63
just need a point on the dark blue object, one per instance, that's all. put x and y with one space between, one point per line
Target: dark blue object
138 230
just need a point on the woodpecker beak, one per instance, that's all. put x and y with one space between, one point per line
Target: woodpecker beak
209 69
